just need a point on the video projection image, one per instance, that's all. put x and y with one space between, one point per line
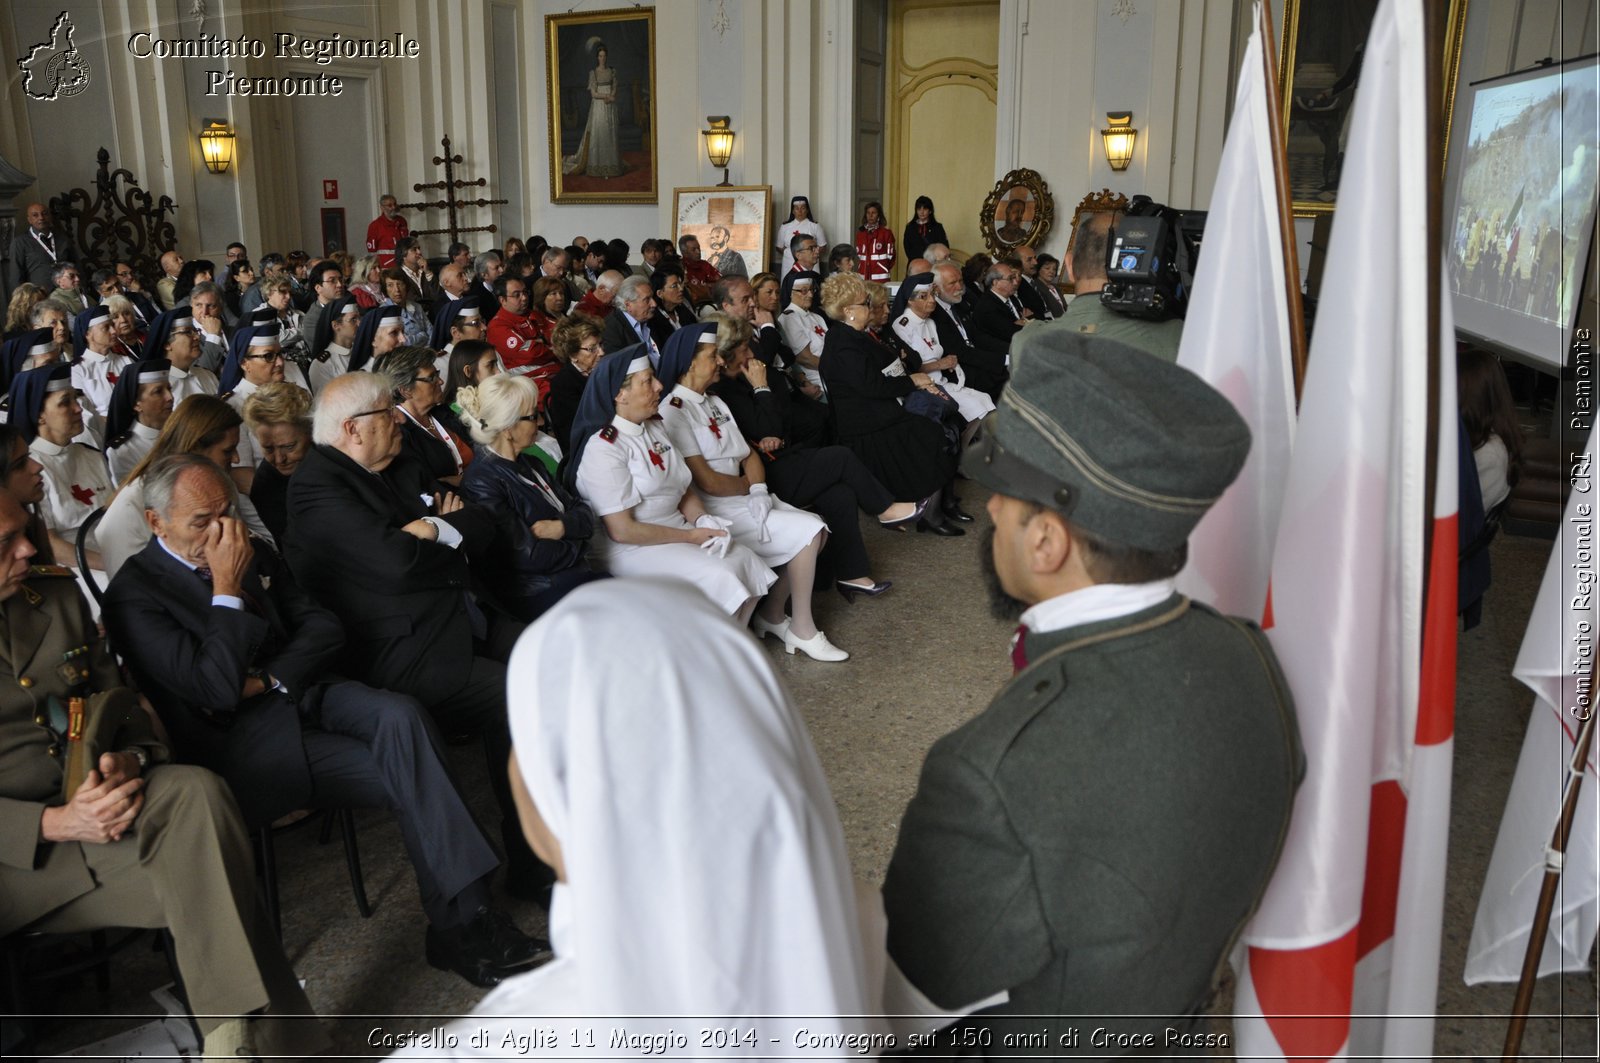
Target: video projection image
1523 212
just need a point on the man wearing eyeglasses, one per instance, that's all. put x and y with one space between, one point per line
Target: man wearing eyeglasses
392 557
512 331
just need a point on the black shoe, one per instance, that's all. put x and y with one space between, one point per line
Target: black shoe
953 511
849 590
528 878
487 950
946 530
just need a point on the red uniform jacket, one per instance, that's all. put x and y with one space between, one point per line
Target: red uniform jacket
521 347
381 237
875 248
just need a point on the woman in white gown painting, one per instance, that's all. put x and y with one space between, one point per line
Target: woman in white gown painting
598 154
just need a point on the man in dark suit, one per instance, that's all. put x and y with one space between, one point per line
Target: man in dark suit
1027 263
36 249
997 314
986 370
390 558
239 662
628 324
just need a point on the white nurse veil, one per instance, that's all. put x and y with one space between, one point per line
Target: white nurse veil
706 867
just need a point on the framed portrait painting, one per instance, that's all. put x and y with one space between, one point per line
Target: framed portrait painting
602 101
1017 212
732 223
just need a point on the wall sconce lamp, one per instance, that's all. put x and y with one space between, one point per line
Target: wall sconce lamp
719 144
1119 139
216 145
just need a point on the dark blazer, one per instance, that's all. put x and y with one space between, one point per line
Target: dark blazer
428 450
191 658
402 599
661 328
863 399
505 488
992 325
1030 298
985 370
269 493
566 391
618 331
32 264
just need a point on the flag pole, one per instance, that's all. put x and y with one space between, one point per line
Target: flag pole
1280 173
1547 890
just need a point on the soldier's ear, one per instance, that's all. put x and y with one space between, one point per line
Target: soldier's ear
1049 542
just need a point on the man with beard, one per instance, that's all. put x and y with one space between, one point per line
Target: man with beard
1093 842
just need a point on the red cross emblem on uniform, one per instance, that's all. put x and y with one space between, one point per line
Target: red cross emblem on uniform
819 330
83 494
928 341
655 459
716 430
111 378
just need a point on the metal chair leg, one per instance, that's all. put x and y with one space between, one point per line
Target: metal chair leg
267 864
352 856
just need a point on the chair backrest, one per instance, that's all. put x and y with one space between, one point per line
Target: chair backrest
85 530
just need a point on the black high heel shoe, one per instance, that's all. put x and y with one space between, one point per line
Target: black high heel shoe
848 591
946 530
900 525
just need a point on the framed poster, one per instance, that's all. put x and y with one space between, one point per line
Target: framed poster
602 102
733 224
1017 212
1319 71
333 238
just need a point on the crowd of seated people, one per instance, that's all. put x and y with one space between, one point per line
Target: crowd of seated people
316 480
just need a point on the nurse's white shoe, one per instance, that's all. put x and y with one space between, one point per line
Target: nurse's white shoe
762 628
817 647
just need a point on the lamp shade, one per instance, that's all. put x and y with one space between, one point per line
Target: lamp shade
216 145
719 141
1119 138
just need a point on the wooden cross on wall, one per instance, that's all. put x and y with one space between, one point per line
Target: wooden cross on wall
451 183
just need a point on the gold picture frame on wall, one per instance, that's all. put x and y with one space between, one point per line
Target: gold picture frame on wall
602 106
733 224
1319 71
1018 212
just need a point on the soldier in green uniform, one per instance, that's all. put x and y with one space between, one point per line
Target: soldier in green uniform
1094 841
1086 269
142 842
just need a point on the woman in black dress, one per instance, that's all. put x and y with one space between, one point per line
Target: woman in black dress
866 381
922 230
419 394
576 345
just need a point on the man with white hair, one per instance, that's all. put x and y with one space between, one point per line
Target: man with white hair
985 370
598 302
936 253
633 304
488 267
392 559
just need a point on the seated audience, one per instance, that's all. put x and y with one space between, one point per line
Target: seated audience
24 481
547 529
602 685
549 301
395 570
45 409
471 363
379 333
173 337
418 395
918 334
698 274
843 259
333 341
984 369
201 424
457 319
672 305
193 273
628 471
279 415
242 663
254 360
399 291
141 841
597 303
19 311
577 346
635 304
140 405
241 275
366 282
524 347
998 314
866 383
127 337
1049 268
730 479
95 372
205 311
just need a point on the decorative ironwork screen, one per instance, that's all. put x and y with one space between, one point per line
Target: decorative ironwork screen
117 225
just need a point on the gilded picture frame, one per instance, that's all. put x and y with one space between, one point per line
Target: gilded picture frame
1018 212
728 220
601 67
1319 69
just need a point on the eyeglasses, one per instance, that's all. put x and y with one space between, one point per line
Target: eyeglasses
275 356
592 348
433 379
181 332
387 411
533 417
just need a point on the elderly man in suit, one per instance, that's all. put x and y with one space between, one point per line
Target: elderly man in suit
628 323
985 369
240 661
1094 840
141 842
36 249
390 557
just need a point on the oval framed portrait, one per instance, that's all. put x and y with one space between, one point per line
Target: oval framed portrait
1018 212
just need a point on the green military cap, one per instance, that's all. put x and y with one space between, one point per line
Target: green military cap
1126 445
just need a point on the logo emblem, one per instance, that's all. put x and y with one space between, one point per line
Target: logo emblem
54 69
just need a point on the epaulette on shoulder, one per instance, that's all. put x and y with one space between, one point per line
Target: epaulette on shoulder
904 320
609 433
323 357
675 402
117 442
225 396
59 571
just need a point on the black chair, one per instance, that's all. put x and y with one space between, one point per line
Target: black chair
33 959
267 861
82 551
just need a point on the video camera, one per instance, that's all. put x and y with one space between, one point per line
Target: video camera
1154 250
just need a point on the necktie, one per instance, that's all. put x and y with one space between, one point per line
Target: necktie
1019 655
49 241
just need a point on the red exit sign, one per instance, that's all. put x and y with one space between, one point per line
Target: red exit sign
330 189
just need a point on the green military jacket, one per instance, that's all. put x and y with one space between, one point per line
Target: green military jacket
50 650
1087 313
1094 840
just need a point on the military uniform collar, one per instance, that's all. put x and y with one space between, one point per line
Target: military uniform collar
627 427
688 394
144 431
1103 601
43 446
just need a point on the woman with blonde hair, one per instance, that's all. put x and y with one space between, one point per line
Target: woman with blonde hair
19 312
279 415
547 530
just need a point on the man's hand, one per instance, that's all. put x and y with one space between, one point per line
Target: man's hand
104 807
228 555
549 529
448 503
212 325
423 530
769 445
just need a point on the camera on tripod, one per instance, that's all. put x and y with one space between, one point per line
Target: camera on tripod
1154 250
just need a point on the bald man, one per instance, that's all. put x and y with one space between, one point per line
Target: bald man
1086 269
36 249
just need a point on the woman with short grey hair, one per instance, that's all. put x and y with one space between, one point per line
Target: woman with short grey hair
418 394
